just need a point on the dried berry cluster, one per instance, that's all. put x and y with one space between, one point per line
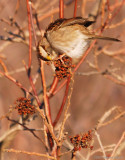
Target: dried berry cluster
63 67
24 106
82 141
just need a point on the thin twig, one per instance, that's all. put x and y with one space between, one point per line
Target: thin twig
66 110
107 149
112 120
50 128
61 9
105 116
53 87
62 105
116 147
75 8
100 143
30 33
45 97
33 28
16 82
28 129
28 153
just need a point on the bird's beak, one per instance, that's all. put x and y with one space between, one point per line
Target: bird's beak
48 58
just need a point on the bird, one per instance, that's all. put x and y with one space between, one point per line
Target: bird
70 37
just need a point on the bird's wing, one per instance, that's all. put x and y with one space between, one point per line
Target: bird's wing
78 20
63 22
56 24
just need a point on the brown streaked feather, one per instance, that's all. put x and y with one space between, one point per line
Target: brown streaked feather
56 24
77 20
68 22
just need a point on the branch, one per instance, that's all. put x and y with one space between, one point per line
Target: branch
28 153
116 147
30 33
61 9
75 8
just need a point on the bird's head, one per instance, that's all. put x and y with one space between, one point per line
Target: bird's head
45 50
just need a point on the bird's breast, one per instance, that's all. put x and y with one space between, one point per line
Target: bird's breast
78 47
72 43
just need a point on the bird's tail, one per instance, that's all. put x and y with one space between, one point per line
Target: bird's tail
104 38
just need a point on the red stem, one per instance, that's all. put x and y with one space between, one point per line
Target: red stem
53 87
30 48
61 9
46 100
32 23
30 33
108 5
75 8
58 89
63 103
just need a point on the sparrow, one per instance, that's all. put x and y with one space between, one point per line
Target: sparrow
70 37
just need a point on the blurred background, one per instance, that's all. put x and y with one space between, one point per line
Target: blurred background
93 92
